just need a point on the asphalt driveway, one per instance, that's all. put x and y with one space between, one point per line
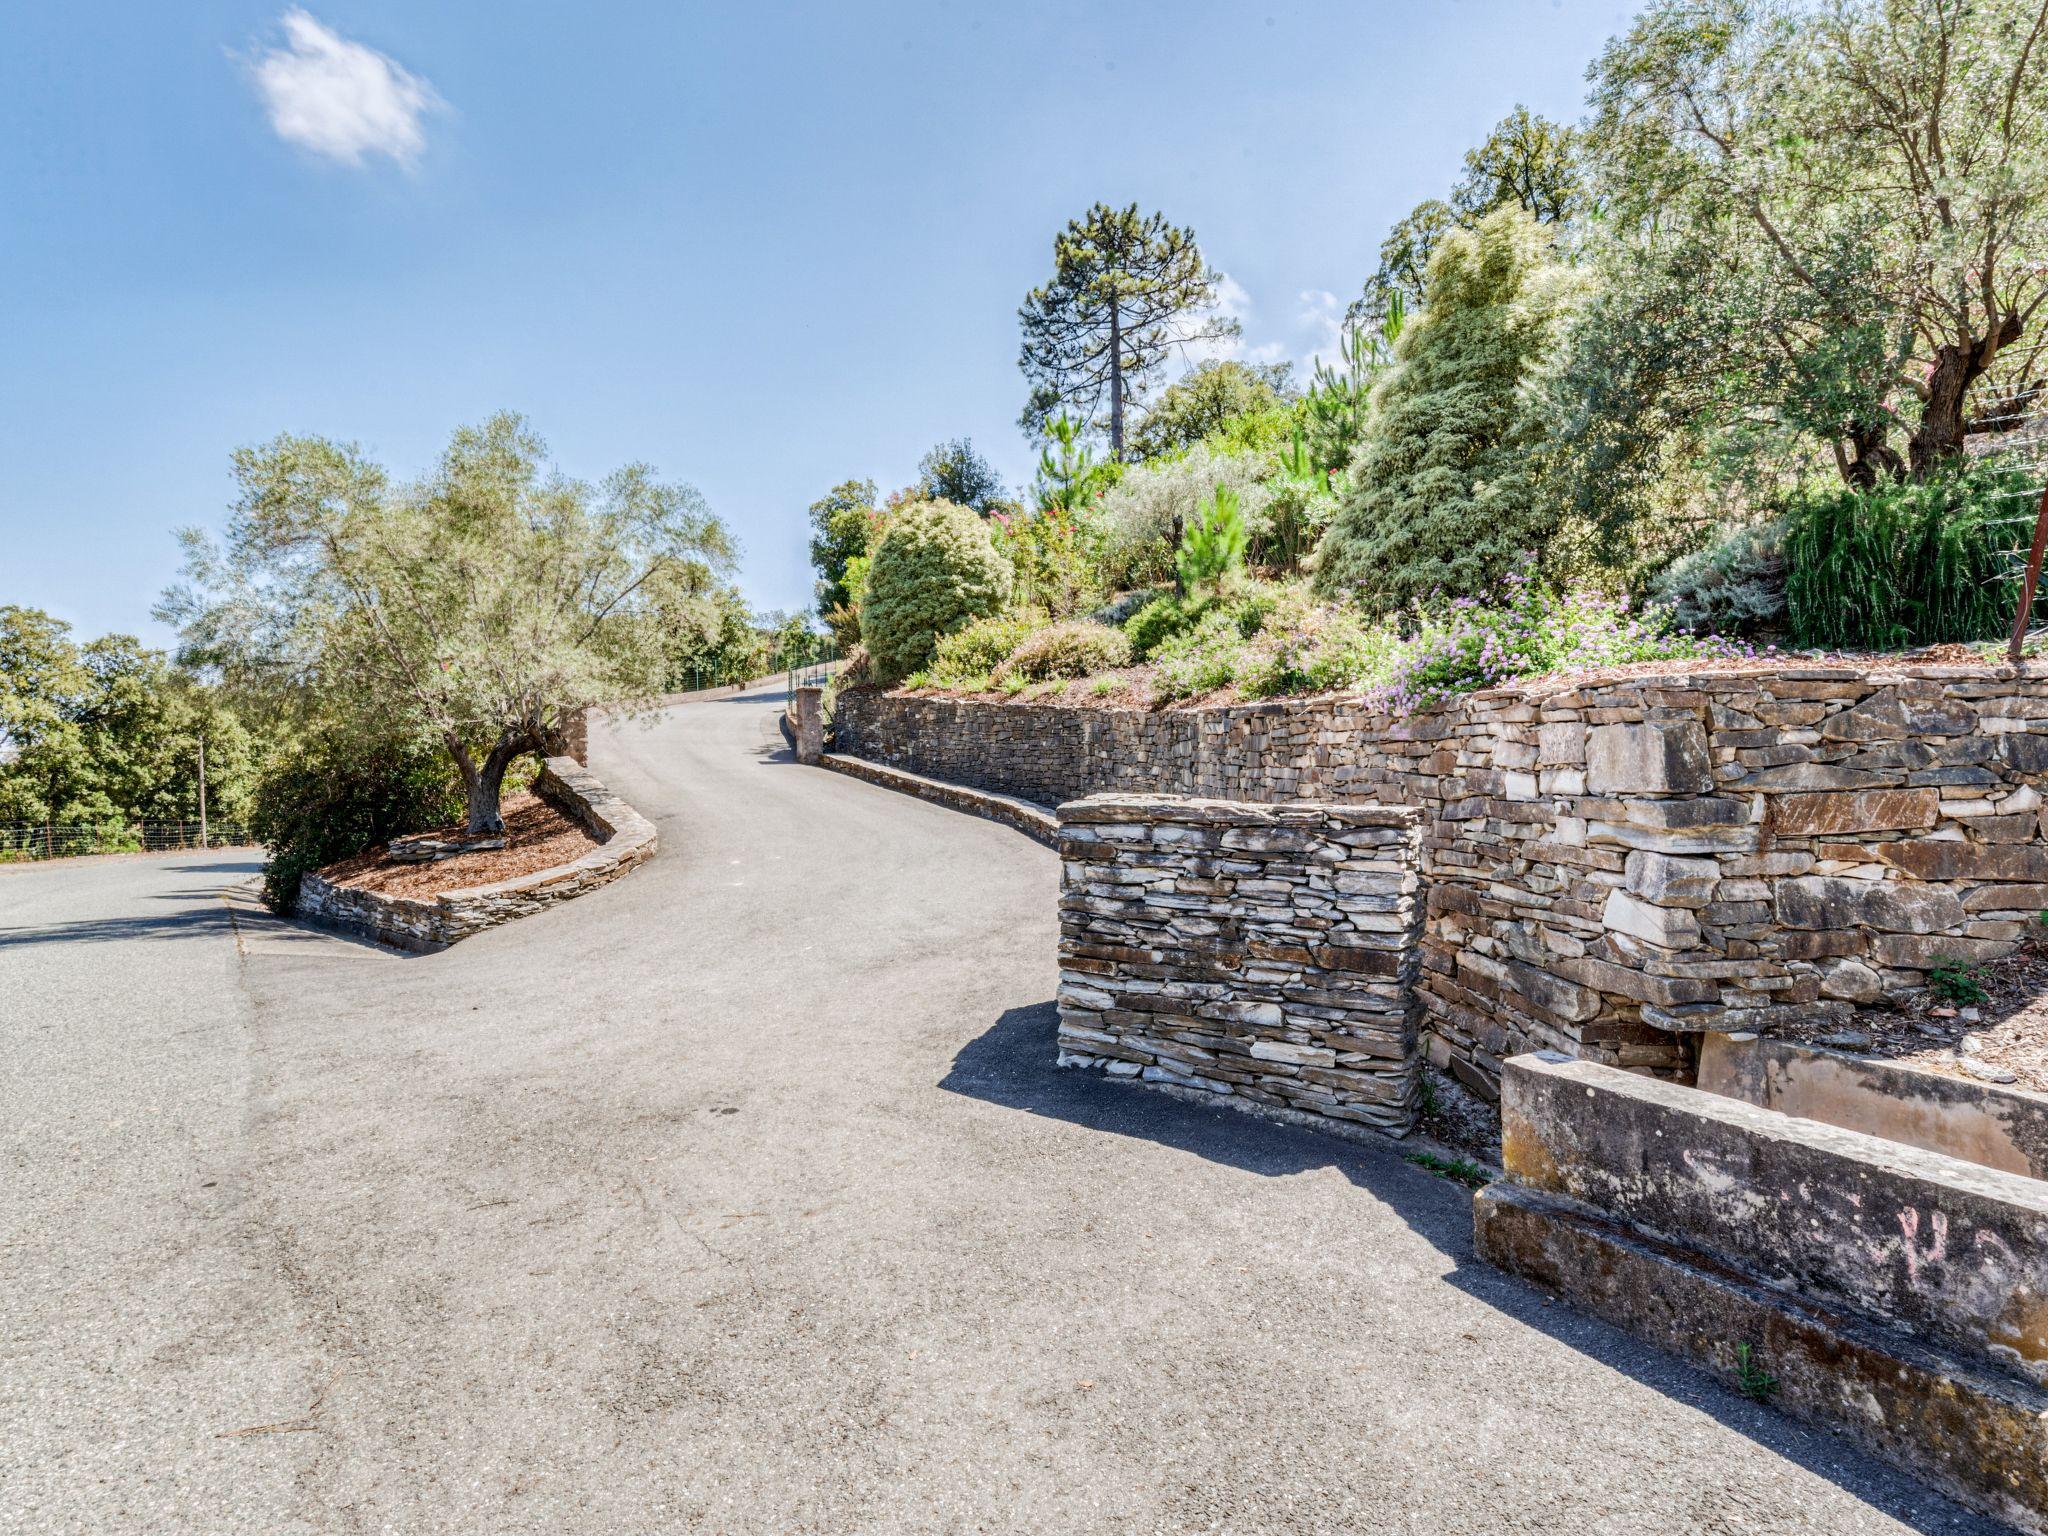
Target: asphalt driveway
743 1196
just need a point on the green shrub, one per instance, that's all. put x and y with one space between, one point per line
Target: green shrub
1445 495
1160 620
1733 586
1904 565
1212 544
934 571
968 656
1118 610
333 795
1074 649
1201 659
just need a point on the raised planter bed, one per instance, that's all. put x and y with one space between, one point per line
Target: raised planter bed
425 924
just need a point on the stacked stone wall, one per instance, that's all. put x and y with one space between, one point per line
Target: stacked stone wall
1611 864
1264 954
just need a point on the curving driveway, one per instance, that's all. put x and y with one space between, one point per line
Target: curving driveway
742 1196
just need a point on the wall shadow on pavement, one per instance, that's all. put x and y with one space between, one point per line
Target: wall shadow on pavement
1012 1064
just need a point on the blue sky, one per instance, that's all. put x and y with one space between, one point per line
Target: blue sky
762 246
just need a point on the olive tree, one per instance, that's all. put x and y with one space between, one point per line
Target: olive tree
476 607
1848 202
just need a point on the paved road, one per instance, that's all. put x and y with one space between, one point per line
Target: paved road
742 1196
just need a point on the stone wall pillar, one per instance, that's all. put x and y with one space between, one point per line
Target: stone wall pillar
1263 954
575 737
810 724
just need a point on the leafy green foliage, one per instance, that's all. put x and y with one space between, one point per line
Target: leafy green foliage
335 793
1225 397
1445 496
1734 585
1527 162
954 472
1212 545
1459 1170
474 609
934 571
1751 1379
1843 205
1160 619
1957 981
1904 564
108 733
1072 649
842 523
1143 517
967 657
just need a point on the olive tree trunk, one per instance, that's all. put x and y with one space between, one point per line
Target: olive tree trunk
483 784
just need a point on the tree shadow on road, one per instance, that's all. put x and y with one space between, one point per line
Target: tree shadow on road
1013 1064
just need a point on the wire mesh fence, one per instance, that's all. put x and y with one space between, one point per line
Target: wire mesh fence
22 840
810 667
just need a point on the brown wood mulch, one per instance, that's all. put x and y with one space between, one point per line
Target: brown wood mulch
2004 1034
537 837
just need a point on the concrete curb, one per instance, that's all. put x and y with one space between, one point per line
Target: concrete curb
626 838
1035 821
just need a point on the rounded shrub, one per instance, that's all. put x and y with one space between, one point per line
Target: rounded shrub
1161 619
1734 585
969 655
935 570
1073 649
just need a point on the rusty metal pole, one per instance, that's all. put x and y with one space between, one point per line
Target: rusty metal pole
2031 582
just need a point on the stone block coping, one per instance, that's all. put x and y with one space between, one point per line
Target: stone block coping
424 925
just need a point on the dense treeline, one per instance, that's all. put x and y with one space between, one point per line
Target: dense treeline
1754 341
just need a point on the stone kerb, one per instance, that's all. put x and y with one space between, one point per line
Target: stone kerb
1262 955
626 839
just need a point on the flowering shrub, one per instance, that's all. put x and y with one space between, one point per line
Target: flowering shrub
965 658
1280 642
1529 629
1052 551
1201 659
1073 649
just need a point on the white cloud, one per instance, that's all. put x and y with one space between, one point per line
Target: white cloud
339 98
1316 331
1320 322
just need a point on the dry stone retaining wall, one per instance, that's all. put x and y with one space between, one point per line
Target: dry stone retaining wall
1611 864
1262 953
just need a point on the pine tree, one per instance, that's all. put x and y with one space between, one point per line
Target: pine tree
1444 495
1126 290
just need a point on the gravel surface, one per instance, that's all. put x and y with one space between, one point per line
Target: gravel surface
742 1196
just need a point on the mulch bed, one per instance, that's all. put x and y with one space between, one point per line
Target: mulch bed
537 837
2003 1037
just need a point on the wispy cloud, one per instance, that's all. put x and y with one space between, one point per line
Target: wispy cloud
1316 331
339 98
